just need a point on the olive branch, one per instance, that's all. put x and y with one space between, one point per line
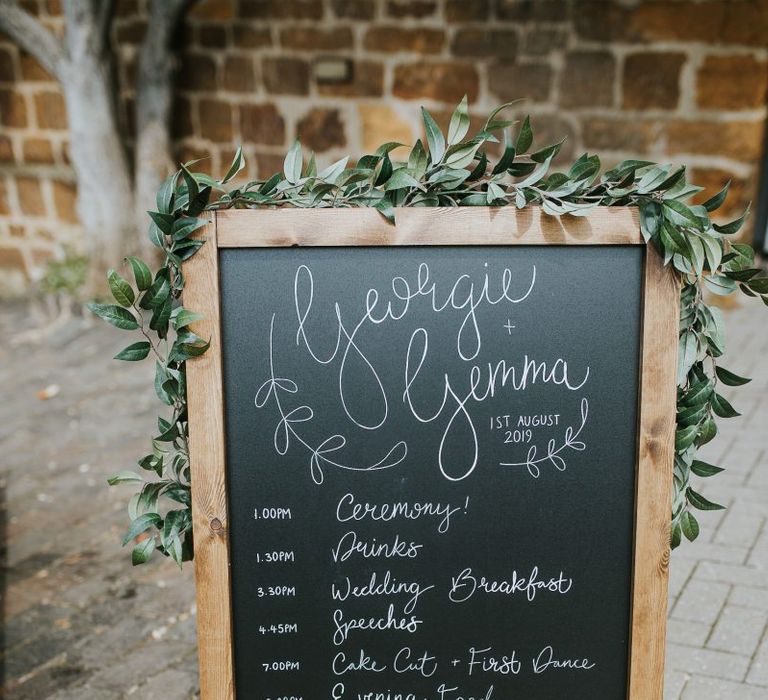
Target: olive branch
446 170
570 441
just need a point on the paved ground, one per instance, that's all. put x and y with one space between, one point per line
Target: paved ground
718 639
80 624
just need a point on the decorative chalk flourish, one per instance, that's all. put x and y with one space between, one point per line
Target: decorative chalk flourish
570 441
285 429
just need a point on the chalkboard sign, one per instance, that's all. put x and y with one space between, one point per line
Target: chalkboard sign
431 461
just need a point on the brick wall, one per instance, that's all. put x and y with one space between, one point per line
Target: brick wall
668 80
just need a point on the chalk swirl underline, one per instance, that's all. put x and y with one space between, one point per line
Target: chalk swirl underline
285 429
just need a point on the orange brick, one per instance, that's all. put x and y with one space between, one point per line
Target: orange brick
13 109
5 207
367 81
445 81
6 150
239 74
65 200
38 151
314 39
731 82
395 39
220 10
321 129
30 196
652 80
51 110
32 70
740 140
661 20
216 118
11 259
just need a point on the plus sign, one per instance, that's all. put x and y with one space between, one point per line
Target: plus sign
455 662
508 325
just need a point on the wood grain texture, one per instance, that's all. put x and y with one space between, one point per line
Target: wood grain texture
208 466
656 453
468 226
425 226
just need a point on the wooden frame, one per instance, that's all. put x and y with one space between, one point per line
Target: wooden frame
425 226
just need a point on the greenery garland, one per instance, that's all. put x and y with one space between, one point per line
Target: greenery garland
449 170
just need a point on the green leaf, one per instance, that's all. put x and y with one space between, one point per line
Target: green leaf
155 235
182 317
417 160
125 477
722 408
733 226
166 192
713 250
698 501
525 137
238 163
538 173
688 352
714 203
690 526
143 551
332 172
480 168
435 138
459 125
185 227
650 219
729 378
679 214
293 162
192 187
759 285
506 160
121 290
385 208
141 272
161 314
547 153
116 315
684 438
495 193
141 524
135 352
703 469
157 292
461 157
718 284
402 179
163 221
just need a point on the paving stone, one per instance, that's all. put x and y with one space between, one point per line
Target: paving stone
747 597
170 684
680 571
758 670
674 682
707 662
738 630
701 601
730 573
702 688
692 634
739 529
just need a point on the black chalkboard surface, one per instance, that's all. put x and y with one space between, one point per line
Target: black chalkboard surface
431 457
